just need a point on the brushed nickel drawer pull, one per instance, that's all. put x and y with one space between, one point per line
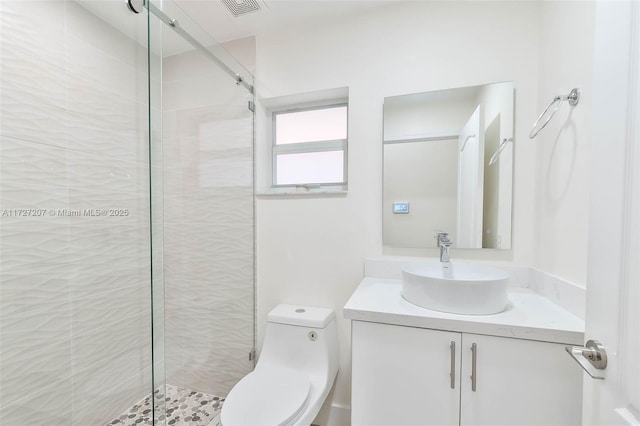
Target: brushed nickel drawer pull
453 364
474 358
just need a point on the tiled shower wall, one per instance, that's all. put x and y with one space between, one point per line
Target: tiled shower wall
74 298
208 223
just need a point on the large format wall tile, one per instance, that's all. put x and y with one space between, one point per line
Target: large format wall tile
209 235
221 267
26 369
109 244
75 304
30 81
19 196
28 163
84 25
87 280
208 227
186 66
35 122
37 327
103 70
213 122
89 313
100 345
118 175
28 247
229 297
50 405
35 29
215 358
210 171
118 384
35 330
35 288
199 92
33 98
230 204
86 134
194 131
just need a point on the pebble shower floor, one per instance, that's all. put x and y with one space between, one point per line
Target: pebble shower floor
184 407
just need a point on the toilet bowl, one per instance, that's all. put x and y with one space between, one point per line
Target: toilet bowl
296 370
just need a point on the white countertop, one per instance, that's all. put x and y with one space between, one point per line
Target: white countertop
528 315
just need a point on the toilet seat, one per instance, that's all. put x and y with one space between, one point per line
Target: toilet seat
268 396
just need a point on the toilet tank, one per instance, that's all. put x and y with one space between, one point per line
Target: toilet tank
304 316
301 337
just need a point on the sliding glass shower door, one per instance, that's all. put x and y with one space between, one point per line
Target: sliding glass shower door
75 247
126 215
207 213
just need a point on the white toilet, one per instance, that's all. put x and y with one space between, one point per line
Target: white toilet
295 372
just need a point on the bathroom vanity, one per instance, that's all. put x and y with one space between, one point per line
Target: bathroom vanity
414 366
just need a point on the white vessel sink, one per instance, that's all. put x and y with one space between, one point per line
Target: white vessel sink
463 288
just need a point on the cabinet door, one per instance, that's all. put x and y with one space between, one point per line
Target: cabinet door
401 376
519 382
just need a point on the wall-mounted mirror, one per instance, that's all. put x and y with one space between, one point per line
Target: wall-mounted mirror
448 166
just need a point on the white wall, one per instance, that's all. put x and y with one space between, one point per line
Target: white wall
564 146
311 250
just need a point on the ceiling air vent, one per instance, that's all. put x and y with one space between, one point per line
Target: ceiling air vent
242 7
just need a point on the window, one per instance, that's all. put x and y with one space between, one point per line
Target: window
310 146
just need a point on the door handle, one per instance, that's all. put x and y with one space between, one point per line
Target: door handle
474 359
594 353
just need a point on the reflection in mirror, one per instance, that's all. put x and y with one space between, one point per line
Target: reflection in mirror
437 173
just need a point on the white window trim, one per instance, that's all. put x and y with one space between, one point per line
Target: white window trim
338 188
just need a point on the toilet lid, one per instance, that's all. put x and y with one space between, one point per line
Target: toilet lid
268 396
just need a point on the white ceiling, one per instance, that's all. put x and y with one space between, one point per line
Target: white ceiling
216 19
210 22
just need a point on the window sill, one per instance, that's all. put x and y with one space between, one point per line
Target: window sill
293 193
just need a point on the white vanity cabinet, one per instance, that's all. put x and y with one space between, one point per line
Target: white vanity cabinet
519 382
417 376
400 376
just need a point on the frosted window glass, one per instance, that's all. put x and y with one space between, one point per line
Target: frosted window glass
311 167
313 125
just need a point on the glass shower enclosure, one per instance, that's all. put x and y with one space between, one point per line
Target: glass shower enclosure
126 215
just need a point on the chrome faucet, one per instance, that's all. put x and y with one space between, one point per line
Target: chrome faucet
444 243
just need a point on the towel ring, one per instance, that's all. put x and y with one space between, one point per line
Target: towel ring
572 98
501 147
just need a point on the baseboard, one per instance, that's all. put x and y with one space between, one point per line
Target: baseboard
333 415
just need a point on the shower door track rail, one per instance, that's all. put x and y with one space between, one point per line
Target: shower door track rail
175 26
